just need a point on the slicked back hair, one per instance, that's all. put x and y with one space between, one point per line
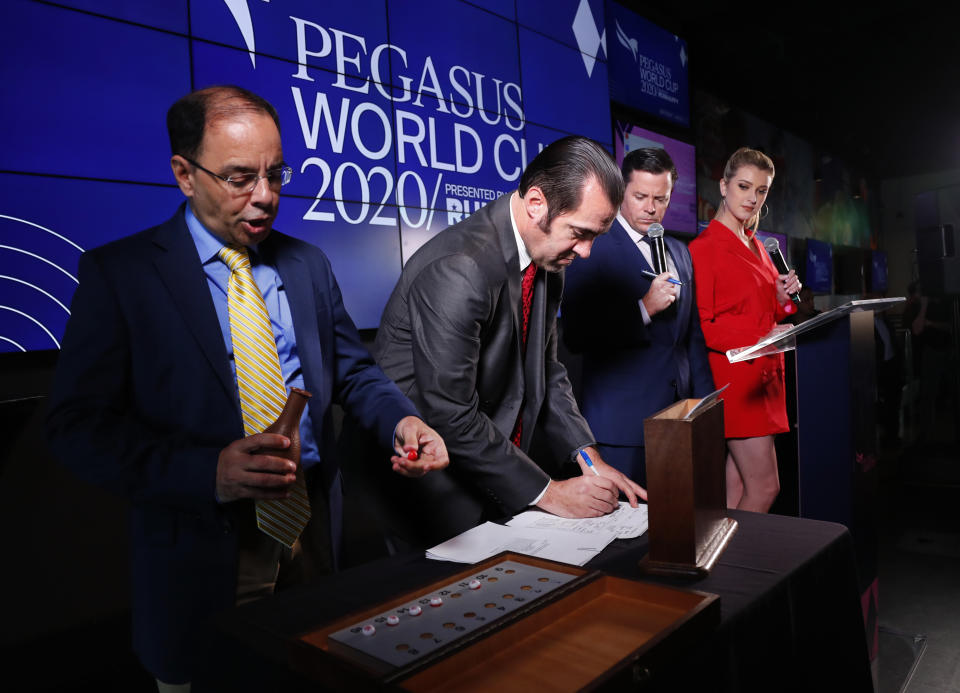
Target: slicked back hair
563 168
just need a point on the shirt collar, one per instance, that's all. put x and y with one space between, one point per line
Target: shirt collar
525 258
635 235
208 244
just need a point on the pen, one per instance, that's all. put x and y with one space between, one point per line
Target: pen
651 275
586 458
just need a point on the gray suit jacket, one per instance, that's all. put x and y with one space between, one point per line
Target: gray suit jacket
450 338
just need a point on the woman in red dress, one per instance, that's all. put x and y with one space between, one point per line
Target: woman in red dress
741 297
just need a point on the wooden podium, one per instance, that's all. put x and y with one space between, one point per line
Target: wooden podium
689 527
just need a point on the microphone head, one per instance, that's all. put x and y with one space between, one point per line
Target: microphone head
655 230
772 245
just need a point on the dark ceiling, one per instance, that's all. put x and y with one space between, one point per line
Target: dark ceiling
878 88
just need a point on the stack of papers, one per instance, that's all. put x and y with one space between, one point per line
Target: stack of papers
537 533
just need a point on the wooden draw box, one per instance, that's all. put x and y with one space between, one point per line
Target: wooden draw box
592 631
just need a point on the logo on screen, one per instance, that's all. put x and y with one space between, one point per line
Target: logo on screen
589 40
241 15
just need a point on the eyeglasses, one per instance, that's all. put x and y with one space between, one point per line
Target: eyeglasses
243 183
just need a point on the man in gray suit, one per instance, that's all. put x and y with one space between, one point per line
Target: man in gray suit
455 340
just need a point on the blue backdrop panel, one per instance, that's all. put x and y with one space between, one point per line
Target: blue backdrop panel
577 24
170 15
45 224
563 87
365 256
91 103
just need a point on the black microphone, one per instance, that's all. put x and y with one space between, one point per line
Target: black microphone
658 252
772 246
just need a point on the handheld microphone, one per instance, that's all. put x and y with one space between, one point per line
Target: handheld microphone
772 246
659 253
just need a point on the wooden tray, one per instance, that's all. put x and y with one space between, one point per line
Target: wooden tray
592 632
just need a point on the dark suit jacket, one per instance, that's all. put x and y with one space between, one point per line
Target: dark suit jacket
631 371
450 339
144 400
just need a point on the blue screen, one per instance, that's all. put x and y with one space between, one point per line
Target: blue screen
648 66
41 243
819 266
399 118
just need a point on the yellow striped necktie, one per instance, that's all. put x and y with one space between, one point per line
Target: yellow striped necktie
261 386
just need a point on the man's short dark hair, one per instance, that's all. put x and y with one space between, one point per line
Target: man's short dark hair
653 160
563 168
188 118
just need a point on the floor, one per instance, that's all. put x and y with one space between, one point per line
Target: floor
919 590
919 586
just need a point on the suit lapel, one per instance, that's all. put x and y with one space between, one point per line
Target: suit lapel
741 252
306 315
511 256
681 261
180 270
529 371
300 297
631 253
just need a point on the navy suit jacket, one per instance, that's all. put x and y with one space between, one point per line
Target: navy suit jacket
630 370
144 400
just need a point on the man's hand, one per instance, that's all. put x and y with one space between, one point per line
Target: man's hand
660 295
419 448
244 472
584 496
628 486
787 284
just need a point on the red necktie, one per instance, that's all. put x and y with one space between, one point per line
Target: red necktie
526 295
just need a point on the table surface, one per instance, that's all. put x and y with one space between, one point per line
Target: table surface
790 613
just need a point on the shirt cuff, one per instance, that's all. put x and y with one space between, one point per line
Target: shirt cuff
643 313
540 495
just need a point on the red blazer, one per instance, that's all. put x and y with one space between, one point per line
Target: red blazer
737 299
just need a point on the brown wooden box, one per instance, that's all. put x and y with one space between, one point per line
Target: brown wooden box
596 632
686 482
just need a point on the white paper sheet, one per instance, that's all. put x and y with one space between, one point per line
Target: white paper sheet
489 539
625 522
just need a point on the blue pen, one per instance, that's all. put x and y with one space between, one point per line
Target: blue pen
586 458
651 275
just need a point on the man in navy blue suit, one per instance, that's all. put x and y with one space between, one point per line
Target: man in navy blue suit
146 401
640 337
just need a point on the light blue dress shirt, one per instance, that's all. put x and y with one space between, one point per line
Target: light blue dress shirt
275 298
